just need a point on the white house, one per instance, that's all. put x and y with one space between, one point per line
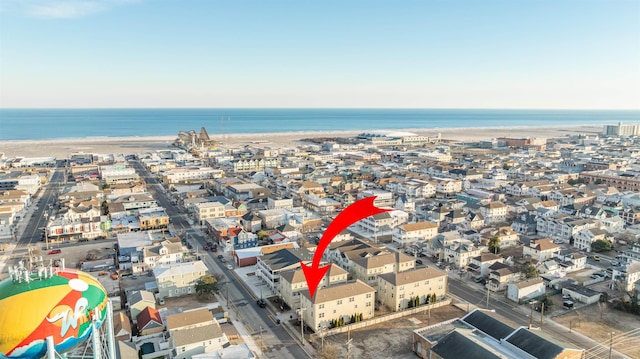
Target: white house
522 291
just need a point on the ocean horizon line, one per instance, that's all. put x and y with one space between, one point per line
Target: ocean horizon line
329 108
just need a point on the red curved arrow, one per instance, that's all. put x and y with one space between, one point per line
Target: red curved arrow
351 214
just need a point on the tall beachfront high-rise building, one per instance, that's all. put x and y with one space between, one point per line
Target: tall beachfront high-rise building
621 130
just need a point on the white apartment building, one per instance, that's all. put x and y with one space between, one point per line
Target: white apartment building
583 239
337 301
459 253
383 223
396 290
383 198
164 254
293 282
409 233
190 174
447 185
562 227
178 279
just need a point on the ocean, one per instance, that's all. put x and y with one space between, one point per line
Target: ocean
38 124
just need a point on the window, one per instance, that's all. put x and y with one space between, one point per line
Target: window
321 306
351 299
368 295
339 302
321 315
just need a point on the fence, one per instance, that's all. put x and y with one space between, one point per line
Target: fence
384 318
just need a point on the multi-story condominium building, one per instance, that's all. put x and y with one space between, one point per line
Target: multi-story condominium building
621 130
569 196
293 282
631 215
625 181
195 332
208 210
583 239
342 253
383 198
407 234
273 203
337 301
61 229
246 191
562 227
368 268
269 266
190 174
178 279
383 223
255 164
541 249
447 186
397 290
494 212
130 203
320 205
459 253
164 254
118 173
414 188
153 218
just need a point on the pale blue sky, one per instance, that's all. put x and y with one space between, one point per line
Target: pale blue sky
344 53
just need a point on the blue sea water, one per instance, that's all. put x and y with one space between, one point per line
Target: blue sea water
35 124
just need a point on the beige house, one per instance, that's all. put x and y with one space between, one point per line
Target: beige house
178 279
409 233
195 332
396 290
368 268
335 302
494 212
540 249
293 282
164 254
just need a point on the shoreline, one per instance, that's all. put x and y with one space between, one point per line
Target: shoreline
61 148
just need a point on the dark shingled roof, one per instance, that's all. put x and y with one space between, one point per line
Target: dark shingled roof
487 324
533 344
456 345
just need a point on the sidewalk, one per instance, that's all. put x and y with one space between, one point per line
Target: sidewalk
239 325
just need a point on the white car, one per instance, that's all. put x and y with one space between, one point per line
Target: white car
229 267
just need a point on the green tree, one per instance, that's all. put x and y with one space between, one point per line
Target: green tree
411 303
548 303
105 208
600 246
262 235
207 284
494 244
433 298
529 270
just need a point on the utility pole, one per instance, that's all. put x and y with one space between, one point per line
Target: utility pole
610 344
531 316
348 343
541 314
261 340
488 297
300 312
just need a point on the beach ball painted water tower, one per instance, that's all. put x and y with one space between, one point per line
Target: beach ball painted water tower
47 313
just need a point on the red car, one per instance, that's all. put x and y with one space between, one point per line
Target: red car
54 251
206 248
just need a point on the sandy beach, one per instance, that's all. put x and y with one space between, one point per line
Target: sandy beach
61 148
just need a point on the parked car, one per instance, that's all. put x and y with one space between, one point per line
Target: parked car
261 303
206 248
418 261
596 258
214 249
229 267
133 276
220 256
54 251
114 276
